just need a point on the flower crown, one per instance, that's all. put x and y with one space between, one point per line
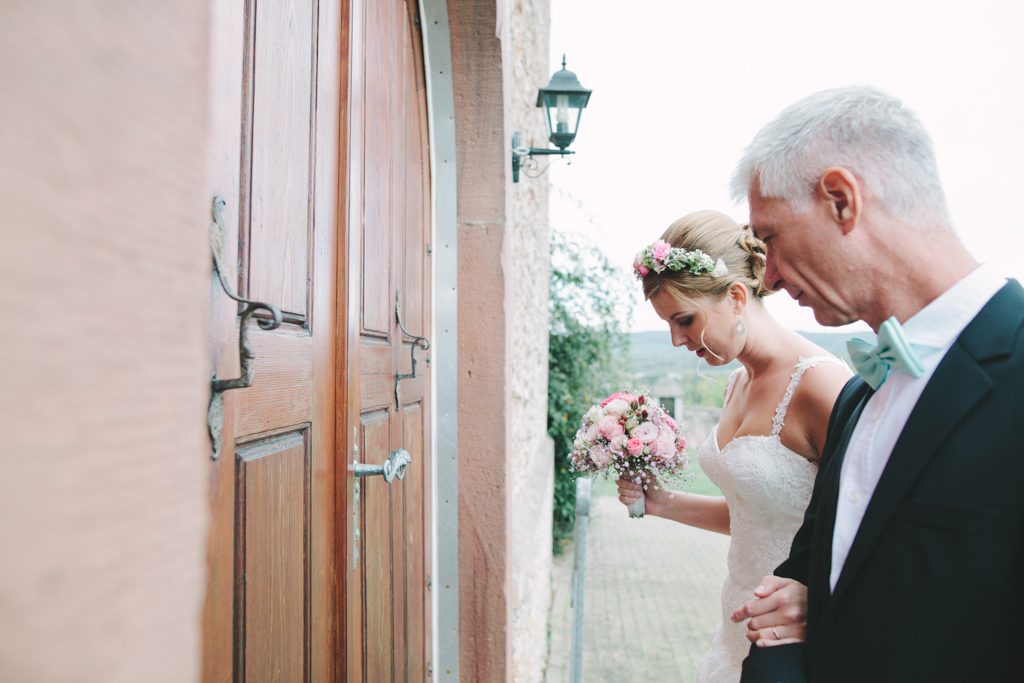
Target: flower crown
662 255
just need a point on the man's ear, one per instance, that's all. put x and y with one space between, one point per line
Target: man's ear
841 191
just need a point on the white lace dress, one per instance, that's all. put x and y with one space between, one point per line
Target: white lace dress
767 488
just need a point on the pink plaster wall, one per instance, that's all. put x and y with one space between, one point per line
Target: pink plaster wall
104 282
485 329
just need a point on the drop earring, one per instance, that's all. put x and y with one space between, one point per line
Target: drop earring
739 329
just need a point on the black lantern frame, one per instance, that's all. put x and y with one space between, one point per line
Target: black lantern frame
563 100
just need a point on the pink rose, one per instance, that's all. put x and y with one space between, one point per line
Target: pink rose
665 444
609 427
618 443
600 456
628 398
591 432
638 264
660 250
671 423
646 432
635 446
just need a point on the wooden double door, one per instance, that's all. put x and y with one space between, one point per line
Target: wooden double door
318 148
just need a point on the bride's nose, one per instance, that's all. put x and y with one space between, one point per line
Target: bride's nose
678 338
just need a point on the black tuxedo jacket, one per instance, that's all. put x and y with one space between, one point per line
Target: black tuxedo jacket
933 587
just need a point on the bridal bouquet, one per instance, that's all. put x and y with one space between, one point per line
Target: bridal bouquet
629 436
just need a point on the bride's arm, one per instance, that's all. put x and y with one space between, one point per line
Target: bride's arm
703 512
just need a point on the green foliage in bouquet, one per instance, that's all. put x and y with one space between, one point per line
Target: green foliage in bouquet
590 304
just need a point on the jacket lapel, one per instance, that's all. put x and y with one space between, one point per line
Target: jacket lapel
958 384
955 388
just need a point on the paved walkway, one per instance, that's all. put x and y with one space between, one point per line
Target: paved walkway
653 590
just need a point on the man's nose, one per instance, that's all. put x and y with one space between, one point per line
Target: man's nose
772 278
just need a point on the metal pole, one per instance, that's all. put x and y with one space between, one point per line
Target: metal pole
579 576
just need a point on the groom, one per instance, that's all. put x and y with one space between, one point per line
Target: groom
910 563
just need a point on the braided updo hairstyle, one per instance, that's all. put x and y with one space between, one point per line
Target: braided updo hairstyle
720 237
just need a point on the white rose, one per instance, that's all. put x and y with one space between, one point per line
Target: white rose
591 432
618 443
601 457
595 413
646 432
616 407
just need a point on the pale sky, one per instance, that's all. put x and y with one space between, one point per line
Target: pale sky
680 88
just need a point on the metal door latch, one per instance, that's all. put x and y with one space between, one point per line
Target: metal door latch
215 415
421 342
393 467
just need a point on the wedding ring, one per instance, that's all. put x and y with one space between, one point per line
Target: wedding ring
776 633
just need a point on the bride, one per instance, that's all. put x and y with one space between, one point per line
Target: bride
704 277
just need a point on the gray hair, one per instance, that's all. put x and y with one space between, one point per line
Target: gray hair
862 129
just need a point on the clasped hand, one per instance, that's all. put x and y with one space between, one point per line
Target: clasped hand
630 492
778 615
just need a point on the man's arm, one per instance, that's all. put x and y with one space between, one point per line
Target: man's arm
778 615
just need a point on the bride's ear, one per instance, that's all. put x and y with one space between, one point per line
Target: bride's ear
738 296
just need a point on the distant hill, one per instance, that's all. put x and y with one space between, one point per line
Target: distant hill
652 356
646 347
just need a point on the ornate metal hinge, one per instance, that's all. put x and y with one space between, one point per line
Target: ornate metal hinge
215 415
421 342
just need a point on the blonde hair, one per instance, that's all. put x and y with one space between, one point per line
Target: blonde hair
720 237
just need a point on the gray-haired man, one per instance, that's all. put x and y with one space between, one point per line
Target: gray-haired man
910 561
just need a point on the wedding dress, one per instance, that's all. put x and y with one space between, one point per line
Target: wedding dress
767 488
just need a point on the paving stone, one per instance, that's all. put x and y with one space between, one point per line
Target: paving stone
652 598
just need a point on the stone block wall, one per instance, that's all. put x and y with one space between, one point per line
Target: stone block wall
532 457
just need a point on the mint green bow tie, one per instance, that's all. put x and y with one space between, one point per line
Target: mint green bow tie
874 363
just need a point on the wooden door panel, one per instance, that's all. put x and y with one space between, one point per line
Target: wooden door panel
388 612
282 86
284 364
410 185
378 301
413 538
376 391
272 557
376 359
375 543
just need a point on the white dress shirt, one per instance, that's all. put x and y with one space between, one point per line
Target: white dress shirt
931 333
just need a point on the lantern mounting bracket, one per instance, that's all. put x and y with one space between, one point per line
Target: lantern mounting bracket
519 151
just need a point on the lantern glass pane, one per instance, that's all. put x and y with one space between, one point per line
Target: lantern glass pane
563 112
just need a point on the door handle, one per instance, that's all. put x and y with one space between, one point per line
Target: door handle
246 356
393 467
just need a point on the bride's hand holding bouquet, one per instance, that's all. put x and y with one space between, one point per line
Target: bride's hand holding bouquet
632 438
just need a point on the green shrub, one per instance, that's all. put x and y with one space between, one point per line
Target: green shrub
590 305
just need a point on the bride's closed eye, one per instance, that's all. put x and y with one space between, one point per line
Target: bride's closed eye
684 322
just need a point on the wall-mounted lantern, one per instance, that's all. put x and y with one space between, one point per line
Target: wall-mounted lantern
563 100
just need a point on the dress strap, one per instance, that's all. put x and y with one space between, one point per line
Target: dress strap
780 412
728 387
